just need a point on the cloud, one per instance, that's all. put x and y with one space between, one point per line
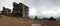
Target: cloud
51 12
32 11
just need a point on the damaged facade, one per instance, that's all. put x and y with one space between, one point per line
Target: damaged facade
6 11
20 10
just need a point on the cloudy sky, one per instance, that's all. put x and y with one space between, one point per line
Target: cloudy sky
41 8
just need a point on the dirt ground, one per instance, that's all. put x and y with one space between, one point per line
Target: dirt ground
13 21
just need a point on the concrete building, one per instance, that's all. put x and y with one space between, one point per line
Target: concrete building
6 11
20 10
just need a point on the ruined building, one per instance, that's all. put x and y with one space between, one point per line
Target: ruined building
6 11
20 10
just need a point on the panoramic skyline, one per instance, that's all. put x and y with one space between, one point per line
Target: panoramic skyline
41 8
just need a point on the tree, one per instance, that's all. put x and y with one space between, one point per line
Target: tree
52 19
35 18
